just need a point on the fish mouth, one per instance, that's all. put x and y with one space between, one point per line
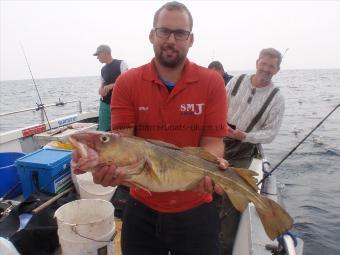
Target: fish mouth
80 147
86 157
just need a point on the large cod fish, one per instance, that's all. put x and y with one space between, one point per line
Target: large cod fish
160 167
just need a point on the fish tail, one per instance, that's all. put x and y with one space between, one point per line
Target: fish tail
275 219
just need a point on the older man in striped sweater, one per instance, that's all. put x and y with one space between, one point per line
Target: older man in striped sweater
255 111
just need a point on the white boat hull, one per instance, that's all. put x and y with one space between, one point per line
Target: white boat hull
27 139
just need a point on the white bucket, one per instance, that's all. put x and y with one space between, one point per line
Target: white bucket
103 244
75 181
86 226
88 189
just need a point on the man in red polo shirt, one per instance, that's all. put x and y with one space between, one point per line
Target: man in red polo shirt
176 101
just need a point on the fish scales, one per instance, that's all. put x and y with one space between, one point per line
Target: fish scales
159 167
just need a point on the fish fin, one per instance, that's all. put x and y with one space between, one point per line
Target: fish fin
238 200
191 186
277 222
139 165
150 170
163 144
142 187
248 176
200 152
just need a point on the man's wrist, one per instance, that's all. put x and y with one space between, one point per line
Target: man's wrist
242 135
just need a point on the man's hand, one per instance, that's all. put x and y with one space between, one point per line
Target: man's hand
109 176
206 184
104 90
236 134
104 175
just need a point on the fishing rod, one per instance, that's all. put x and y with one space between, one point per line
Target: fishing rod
284 53
41 105
318 125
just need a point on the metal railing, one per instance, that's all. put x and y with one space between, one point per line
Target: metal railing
41 107
269 188
289 246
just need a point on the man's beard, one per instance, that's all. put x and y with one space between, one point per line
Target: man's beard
170 63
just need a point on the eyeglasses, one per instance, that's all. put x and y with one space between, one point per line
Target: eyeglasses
180 34
250 98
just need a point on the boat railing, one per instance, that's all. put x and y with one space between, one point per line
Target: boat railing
289 245
265 162
41 107
269 189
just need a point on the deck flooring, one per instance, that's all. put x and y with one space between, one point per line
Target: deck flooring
118 250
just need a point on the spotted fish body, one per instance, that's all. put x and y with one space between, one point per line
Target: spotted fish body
160 167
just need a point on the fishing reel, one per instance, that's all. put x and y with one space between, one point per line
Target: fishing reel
5 209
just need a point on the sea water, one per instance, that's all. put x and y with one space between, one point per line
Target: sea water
309 178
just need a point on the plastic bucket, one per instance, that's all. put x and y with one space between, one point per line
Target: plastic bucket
9 177
88 189
86 226
104 244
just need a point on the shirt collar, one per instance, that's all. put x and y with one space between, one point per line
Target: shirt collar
188 75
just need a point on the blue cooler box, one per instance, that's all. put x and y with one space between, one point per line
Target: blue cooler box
47 170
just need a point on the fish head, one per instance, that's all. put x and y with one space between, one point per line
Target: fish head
102 148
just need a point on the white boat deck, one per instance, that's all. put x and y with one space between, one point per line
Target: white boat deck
251 239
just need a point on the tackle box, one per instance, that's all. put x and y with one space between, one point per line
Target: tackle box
46 170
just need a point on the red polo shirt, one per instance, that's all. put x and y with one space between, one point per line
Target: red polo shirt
196 107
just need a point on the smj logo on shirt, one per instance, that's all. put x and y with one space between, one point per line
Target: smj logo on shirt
195 109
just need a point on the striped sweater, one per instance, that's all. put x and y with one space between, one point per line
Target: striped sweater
241 113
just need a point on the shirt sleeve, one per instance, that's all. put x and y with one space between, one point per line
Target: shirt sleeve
123 66
271 126
122 107
215 123
231 83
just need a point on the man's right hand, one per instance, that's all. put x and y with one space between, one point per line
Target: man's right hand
109 175
236 134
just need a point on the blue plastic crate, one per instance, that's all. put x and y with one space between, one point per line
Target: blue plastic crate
9 178
45 169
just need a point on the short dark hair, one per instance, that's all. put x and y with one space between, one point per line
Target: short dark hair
271 52
170 6
216 65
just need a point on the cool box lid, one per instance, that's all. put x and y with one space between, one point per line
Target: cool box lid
45 158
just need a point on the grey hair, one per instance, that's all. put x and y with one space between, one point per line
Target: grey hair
170 6
271 52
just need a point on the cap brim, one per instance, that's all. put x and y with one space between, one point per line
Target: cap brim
95 54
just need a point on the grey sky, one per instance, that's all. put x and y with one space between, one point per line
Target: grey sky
59 37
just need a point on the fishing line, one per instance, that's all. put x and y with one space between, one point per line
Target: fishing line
266 175
284 53
41 106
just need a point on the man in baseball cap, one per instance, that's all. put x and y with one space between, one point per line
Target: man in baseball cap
109 73
102 48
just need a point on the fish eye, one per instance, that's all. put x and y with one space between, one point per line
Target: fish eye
104 138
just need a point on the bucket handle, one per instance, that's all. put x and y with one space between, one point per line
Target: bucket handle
74 229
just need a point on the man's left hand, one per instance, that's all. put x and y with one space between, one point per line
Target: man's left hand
207 185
